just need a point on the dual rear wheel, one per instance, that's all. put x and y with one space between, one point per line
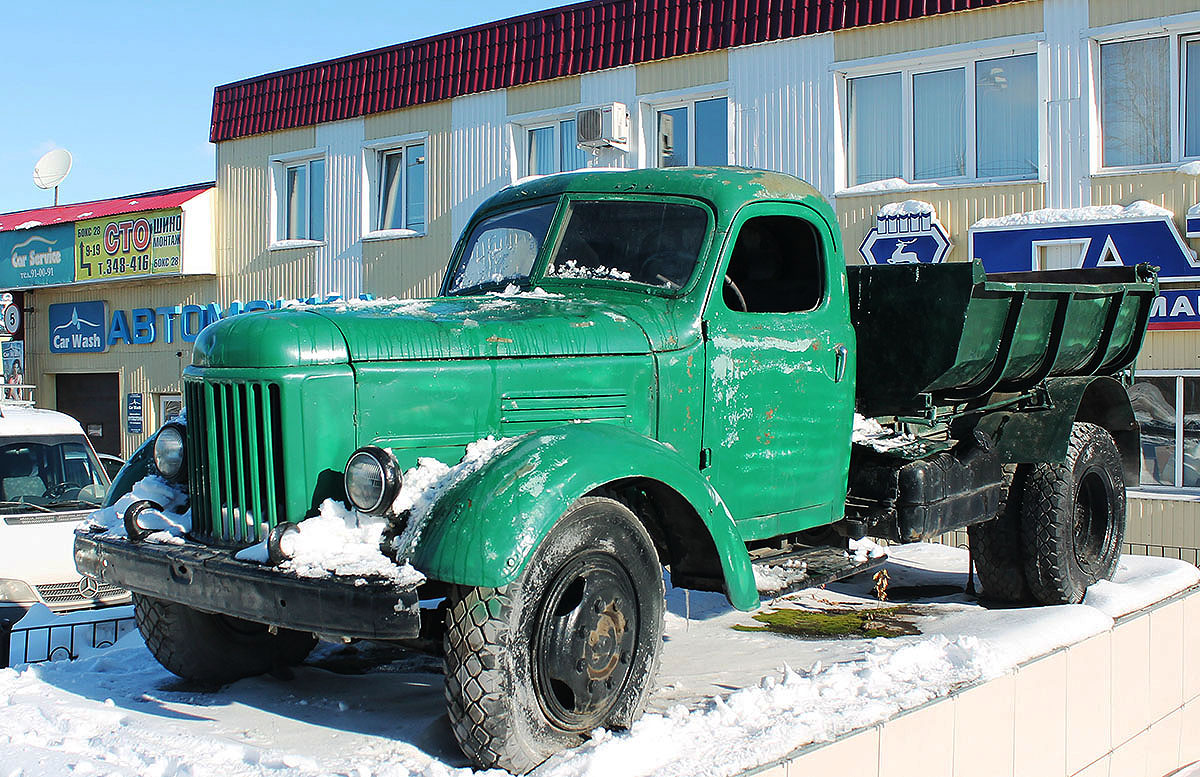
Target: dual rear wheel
1060 528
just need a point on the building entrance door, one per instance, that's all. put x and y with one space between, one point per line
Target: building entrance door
94 399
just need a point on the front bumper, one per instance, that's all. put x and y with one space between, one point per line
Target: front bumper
212 580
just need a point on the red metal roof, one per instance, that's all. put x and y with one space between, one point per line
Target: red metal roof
573 39
82 211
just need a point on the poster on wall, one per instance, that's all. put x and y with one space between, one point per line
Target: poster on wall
43 256
12 353
130 245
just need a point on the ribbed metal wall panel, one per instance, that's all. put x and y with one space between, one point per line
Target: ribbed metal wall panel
337 265
1104 12
1169 188
1012 19
1163 527
1068 161
682 72
479 153
957 209
1170 350
783 101
575 39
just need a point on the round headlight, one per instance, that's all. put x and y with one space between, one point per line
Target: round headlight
372 479
169 451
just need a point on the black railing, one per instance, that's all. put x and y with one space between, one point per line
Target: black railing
59 641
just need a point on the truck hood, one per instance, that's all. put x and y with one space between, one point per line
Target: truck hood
527 324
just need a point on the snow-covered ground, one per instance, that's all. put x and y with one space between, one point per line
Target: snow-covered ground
727 700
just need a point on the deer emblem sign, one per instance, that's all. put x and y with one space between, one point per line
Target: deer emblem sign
900 256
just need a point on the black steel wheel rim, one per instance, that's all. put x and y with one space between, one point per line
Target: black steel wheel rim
584 641
1093 506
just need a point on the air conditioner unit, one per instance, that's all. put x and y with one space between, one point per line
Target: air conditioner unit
606 125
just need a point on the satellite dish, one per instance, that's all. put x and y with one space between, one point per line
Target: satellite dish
51 169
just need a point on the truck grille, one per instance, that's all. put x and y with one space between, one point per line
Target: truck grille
234 449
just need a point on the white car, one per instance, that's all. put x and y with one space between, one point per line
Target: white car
50 480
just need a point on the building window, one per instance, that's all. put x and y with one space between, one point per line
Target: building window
304 200
552 149
1167 408
979 120
693 133
1140 122
402 188
395 187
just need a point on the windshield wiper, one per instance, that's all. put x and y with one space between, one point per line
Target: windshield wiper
43 508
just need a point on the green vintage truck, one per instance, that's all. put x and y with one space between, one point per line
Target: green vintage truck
679 355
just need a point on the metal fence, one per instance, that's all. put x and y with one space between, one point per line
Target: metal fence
39 643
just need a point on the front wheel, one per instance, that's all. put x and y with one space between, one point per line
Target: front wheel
213 648
570 645
1073 518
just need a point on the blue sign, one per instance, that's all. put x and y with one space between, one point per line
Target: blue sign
43 256
1111 243
1176 309
133 413
1193 221
77 327
906 233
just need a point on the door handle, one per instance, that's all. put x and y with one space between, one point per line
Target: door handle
841 355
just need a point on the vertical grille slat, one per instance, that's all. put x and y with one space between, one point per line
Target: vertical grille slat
254 424
234 441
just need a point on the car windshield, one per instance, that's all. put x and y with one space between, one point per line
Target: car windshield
502 249
49 476
639 241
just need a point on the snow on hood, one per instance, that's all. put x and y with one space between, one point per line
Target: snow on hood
167 525
1137 210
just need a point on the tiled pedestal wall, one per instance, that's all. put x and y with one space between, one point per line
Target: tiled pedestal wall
1125 703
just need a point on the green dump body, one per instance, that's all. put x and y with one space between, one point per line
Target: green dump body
949 334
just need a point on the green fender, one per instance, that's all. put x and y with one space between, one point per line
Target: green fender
1042 435
484 529
137 466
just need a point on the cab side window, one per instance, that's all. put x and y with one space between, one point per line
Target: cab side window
776 267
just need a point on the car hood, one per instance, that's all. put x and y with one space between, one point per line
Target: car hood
494 325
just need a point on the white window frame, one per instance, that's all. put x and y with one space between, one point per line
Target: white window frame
373 154
1190 493
1178 32
278 165
650 105
522 126
962 55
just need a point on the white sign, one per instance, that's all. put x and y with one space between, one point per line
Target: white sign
12 319
906 233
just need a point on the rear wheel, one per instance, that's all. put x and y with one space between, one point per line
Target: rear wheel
213 648
996 545
1073 518
570 645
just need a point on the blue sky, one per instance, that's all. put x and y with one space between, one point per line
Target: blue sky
127 87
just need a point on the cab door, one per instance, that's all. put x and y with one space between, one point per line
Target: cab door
779 351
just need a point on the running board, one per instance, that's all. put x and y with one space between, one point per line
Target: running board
790 571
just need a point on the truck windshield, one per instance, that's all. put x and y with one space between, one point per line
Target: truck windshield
502 249
49 476
640 241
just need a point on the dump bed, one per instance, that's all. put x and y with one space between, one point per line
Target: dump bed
947 334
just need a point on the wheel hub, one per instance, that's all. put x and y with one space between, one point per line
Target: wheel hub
1092 524
585 640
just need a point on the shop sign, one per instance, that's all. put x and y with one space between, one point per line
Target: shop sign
906 233
1176 309
77 327
143 326
1193 221
130 245
1100 243
133 413
43 256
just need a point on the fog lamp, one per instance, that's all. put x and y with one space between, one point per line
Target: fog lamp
372 479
